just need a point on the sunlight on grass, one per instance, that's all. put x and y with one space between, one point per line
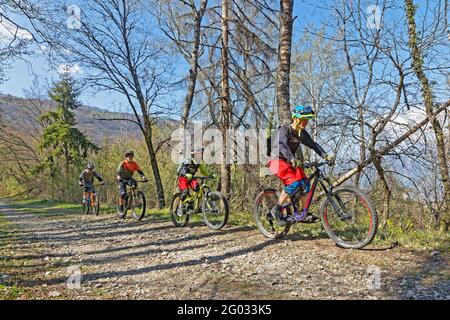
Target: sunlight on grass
10 292
45 207
158 214
241 219
415 239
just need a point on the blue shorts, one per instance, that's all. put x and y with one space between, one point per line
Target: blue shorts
294 187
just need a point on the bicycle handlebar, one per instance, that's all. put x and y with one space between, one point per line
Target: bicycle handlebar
83 184
142 181
308 165
203 178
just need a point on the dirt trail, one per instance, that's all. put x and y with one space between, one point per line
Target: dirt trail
154 260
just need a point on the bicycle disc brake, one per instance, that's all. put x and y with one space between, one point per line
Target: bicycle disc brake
346 217
180 212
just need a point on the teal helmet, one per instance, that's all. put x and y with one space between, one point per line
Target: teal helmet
303 113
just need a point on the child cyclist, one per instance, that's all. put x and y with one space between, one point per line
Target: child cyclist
285 165
86 180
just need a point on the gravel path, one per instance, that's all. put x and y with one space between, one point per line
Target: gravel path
152 259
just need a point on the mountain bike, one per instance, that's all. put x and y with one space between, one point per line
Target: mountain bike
212 204
134 201
347 214
91 202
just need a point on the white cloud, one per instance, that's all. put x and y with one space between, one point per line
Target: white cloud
10 32
68 68
411 117
43 49
408 119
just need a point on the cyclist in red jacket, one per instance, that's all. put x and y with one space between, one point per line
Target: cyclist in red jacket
125 173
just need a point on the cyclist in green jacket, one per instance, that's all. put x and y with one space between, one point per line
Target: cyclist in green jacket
187 170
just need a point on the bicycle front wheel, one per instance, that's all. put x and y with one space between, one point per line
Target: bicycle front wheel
86 208
179 215
122 211
138 206
96 206
265 222
349 218
215 210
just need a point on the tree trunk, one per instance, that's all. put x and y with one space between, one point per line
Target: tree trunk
226 103
362 143
154 163
155 169
193 64
284 61
386 191
417 64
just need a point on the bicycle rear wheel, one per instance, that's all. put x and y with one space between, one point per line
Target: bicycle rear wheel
180 217
349 218
215 210
268 226
138 206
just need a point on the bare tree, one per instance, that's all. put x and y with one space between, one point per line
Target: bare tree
118 53
175 25
391 145
417 62
29 26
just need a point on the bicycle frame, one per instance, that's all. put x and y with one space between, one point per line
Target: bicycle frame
89 198
90 202
198 195
131 191
132 200
317 178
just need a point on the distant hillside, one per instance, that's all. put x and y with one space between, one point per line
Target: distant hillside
22 113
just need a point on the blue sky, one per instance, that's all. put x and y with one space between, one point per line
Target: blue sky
22 74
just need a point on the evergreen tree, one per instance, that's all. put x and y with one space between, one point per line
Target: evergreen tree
61 138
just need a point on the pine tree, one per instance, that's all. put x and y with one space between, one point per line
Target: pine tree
61 138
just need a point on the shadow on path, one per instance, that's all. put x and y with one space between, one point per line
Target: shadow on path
168 266
430 281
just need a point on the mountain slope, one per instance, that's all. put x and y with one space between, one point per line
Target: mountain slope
23 114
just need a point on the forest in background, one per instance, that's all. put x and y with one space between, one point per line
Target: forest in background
377 78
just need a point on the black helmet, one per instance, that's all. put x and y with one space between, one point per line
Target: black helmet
129 153
90 166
